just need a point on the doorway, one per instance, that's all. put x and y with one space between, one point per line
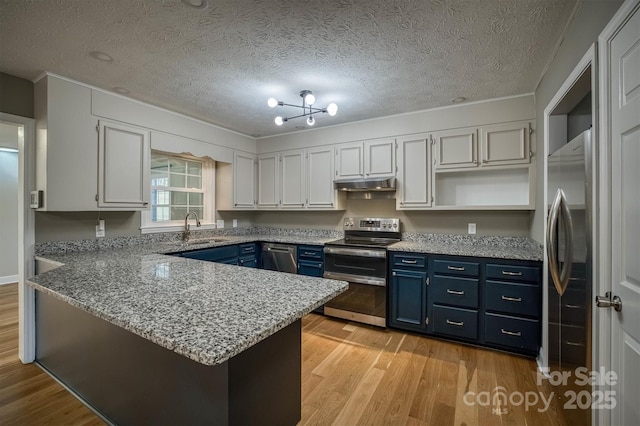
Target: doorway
25 129
9 134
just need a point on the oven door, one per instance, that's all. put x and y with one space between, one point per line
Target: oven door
366 271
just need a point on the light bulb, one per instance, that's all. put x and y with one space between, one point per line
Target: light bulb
272 102
311 121
279 121
332 109
309 99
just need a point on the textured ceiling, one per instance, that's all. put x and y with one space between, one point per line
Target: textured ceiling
221 63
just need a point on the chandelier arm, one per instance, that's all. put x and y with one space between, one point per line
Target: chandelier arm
313 109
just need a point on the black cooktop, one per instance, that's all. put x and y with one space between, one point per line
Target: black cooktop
355 242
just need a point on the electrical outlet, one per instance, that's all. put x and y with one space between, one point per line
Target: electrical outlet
235 223
100 229
471 228
220 223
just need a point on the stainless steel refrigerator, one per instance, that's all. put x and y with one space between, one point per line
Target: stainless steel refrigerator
570 267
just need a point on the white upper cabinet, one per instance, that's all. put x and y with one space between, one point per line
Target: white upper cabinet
379 158
350 160
414 172
320 192
244 180
455 149
374 158
123 166
292 179
505 144
268 191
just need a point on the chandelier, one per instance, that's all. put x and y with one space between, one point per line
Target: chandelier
307 109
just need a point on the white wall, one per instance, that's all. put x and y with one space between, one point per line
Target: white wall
8 215
583 31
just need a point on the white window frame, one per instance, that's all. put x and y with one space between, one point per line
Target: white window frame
208 221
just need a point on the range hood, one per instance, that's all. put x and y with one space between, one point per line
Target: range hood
366 185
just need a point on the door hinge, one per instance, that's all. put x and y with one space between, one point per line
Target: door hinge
98 127
530 129
426 321
431 199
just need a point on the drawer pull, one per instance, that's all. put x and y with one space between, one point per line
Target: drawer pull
573 306
455 268
570 343
411 262
512 299
456 323
456 292
247 249
512 274
306 253
511 333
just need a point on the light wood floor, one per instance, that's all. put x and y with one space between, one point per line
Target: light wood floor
351 374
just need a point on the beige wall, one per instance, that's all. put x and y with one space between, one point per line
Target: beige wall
67 226
510 223
589 21
16 96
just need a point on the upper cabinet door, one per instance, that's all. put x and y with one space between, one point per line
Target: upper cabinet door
320 193
244 180
414 172
504 144
379 158
268 193
123 166
349 161
456 149
292 179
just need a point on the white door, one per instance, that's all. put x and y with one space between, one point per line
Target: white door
504 144
123 166
622 62
380 158
244 180
414 172
268 193
349 161
320 178
456 149
292 181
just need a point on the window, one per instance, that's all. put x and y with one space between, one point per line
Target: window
179 184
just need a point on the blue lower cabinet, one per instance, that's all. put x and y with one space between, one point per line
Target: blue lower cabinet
521 334
456 322
513 298
218 254
455 291
310 268
249 261
407 299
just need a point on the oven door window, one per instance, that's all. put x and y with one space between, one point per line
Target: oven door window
362 298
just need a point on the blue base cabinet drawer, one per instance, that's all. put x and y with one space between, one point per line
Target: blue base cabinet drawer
455 291
454 267
513 272
310 253
456 322
310 268
517 333
248 261
513 298
408 260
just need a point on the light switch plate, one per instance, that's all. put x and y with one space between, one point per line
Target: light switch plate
220 223
471 228
235 223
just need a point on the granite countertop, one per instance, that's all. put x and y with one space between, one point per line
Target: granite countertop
510 251
208 312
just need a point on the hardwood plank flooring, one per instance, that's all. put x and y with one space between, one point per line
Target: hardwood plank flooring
352 374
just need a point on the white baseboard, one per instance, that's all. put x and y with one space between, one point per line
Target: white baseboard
9 279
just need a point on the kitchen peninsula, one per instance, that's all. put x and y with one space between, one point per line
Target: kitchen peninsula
155 339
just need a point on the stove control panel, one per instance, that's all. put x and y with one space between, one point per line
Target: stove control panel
371 224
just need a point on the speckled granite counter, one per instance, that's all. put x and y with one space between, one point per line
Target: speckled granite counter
208 312
516 248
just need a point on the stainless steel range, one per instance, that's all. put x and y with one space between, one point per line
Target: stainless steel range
361 259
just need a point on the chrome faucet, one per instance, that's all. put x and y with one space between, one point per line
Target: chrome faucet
185 233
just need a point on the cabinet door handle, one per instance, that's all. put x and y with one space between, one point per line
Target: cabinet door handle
456 323
456 292
319 265
570 343
410 262
511 333
455 268
512 299
573 306
512 274
394 273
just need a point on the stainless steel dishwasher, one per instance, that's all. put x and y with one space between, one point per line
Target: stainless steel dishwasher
280 257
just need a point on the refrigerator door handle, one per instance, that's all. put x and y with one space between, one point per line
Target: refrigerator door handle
560 207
